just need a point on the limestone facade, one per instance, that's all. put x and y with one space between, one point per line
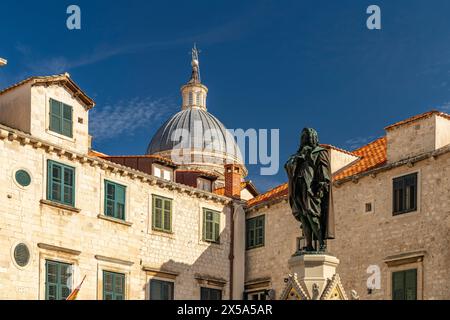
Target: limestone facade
369 237
82 235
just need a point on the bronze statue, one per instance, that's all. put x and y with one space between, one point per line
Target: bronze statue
310 190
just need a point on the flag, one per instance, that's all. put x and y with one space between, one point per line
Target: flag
74 293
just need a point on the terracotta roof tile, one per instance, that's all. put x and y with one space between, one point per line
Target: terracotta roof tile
151 156
371 156
94 153
275 193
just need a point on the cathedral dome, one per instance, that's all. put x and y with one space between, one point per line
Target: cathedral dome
193 138
193 129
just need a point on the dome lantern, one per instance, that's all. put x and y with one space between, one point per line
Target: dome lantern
194 92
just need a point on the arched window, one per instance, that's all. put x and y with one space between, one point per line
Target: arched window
191 98
199 99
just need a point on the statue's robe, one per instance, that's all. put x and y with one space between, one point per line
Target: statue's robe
307 172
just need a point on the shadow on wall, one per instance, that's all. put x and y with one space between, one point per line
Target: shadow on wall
211 269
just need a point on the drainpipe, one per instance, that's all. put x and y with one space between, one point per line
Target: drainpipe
231 256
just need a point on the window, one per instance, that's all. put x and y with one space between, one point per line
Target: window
161 290
404 285
191 98
113 286
199 98
21 255
61 183
210 294
204 184
255 232
114 200
58 277
405 194
162 172
211 225
61 118
368 207
257 295
162 214
23 178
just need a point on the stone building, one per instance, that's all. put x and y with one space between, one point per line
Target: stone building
135 227
181 221
391 204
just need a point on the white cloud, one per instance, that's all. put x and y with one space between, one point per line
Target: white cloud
444 107
358 142
126 117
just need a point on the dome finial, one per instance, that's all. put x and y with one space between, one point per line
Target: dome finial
195 76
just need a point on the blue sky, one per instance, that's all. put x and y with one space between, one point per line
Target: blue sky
267 64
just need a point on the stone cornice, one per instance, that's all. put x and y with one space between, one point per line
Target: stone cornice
9 134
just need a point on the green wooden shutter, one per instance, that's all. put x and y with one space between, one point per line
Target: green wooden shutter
162 214
61 118
57 280
398 288
60 183
108 285
167 215
109 198
66 122
68 186
120 202
255 232
411 284
55 116
115 195
113 286
216 232
260 231
161 290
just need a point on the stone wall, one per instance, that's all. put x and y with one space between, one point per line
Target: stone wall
270 262
364 239
414 240
93 243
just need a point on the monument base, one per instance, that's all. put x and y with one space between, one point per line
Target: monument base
313 277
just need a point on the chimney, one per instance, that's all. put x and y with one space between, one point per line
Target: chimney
233 176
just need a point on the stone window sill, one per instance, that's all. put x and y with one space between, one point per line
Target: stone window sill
59 205
162 233
111 219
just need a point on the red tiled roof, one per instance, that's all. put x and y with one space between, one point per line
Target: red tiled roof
151 156
418 117
371 156
275 193
94 153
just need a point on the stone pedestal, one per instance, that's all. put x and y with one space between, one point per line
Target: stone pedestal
314 271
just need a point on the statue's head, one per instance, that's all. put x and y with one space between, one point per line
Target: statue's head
309 137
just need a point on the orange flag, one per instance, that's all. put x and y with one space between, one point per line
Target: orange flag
74 293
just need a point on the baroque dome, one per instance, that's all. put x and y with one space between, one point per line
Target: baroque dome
193 128
193 138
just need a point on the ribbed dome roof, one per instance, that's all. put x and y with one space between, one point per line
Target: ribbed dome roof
196 122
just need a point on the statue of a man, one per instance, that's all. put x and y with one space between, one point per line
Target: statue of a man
310 189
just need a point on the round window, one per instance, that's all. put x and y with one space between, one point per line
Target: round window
21 254
23 178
